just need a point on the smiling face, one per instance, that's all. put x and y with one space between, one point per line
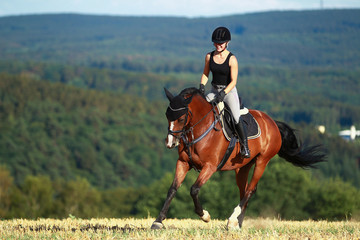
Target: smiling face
220 46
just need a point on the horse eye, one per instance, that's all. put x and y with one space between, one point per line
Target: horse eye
181 120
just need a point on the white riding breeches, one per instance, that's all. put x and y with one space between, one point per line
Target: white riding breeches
231 99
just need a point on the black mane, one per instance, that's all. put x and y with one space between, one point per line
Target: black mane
190 91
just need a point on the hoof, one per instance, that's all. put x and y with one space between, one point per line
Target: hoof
233 225
206 217
157 225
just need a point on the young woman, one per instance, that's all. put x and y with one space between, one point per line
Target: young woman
224 68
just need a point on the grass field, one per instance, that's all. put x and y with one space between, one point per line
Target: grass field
175 229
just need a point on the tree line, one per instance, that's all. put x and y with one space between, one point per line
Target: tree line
283 192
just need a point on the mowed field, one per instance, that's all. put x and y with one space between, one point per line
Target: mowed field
73 228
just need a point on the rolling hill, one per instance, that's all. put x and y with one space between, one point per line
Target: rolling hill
158 44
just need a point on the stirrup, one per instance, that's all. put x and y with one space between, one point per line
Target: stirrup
245 152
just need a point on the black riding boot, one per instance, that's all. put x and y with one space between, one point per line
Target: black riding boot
241 132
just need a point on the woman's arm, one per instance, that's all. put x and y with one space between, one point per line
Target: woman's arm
205 75
233 74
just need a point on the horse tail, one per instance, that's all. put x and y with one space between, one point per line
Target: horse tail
294 152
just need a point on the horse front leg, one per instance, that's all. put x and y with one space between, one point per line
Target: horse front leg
181 170
203 177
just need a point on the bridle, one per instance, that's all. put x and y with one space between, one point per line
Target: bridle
179 133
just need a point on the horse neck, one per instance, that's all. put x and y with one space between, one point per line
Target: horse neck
199 108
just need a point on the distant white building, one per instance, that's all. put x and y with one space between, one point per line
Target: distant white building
321 129
350 134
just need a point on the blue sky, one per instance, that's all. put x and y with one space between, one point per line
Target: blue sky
187 8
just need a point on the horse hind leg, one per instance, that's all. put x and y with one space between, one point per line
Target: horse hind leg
248 191
243 204
251 188
242 182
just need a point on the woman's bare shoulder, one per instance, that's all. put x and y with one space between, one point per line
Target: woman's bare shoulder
207 57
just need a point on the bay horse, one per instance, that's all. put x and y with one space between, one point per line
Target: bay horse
193 128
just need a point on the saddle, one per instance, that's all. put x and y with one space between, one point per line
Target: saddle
228 127
228 122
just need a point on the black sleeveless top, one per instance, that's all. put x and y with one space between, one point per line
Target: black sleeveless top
220 72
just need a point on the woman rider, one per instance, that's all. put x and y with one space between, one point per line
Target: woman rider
224 68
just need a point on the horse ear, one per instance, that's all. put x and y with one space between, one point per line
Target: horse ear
168 94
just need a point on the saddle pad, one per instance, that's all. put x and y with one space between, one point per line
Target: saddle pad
250 123
252 126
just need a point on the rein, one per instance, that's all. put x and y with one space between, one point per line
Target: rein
191 129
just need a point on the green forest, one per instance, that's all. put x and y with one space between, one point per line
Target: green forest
82 112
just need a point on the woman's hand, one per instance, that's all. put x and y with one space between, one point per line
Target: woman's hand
220 96
202 88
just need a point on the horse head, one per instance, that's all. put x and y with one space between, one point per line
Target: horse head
177 114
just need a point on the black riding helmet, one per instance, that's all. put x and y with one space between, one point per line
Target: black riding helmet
221 35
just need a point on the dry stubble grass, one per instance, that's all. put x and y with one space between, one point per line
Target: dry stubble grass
175 229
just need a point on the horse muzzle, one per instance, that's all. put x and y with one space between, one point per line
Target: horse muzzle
171 141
